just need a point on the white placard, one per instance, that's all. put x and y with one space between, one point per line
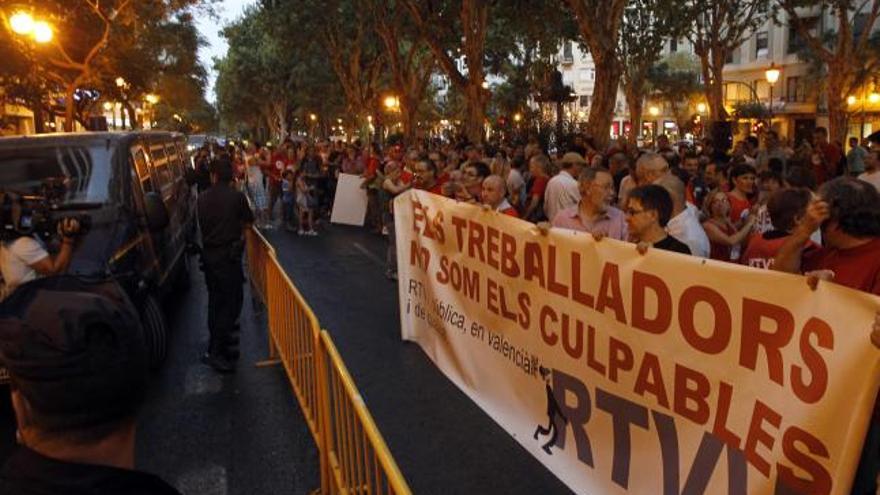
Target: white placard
350 203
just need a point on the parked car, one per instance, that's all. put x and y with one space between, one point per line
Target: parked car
131 192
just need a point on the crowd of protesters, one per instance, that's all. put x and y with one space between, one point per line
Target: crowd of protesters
813 208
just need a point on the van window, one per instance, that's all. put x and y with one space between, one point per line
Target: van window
62 174
140 163
160 164
173 159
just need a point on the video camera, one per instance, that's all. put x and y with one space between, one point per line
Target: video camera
25 215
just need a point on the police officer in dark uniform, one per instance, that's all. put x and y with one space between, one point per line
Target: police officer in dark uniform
224 215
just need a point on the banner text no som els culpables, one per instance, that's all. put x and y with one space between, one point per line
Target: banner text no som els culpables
765 329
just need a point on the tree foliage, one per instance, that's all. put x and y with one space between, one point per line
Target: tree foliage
143 42
647 25
716 29
845 54
677 86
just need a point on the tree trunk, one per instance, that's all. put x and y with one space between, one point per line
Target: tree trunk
69 107
475 111
608 73
634 101
129 111
715 87
408 110
837 108
39 121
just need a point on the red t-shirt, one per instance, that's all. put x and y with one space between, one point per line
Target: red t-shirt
720 251
737 207
762 249
510 212
857 268
539 185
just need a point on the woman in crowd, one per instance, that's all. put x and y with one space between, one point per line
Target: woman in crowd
256 187
743 192
534 211
724 237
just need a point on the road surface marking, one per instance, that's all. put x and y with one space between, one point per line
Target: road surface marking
366 252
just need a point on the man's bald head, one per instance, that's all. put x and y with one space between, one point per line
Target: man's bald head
650 167
676 189
494 190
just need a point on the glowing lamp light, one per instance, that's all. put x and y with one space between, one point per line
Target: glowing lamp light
874 98
772 74
108 106
391 102
654 111
485 84
517 117
120 82
152 99
21 23
851 100
701 107
313 117
42 32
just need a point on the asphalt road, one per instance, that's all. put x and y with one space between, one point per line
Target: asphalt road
209 434
441 440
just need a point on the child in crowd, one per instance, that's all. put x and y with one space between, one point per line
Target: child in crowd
306 202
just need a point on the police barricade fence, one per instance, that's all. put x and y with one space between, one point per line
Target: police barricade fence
353 456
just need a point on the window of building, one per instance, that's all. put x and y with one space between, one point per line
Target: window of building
586 74
567 52
795 90
762 44
584 101
795 42
729 58
673 45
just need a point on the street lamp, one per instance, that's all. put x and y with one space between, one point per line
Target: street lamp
654 111
152 99
851 100
701 107
42 32
21 23
772 75
24 24
313 117
392 103
517 117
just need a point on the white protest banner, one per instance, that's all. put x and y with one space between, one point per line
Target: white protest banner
350 203
644 374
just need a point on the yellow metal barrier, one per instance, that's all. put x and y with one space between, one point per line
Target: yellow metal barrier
354 458
356 455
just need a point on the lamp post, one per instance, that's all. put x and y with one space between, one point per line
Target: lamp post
772 75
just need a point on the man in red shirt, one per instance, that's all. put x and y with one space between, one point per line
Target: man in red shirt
848 213
425 177
831 152
786 207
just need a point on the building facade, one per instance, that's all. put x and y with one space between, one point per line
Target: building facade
795 100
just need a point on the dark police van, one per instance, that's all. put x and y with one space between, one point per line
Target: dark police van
128 189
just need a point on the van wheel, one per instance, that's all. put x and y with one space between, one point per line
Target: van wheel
155 331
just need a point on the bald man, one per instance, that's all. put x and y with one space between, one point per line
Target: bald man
685 222
650 167
494 195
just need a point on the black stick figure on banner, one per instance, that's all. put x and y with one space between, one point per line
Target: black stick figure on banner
553 412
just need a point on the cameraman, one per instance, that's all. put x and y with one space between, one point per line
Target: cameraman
24 258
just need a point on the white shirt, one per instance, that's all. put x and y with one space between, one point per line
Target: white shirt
16 258
686 228
871 178
562 192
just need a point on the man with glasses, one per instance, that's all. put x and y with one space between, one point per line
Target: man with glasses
648 210
425 176
594 213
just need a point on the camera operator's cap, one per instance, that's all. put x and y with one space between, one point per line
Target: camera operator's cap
572 157
75 350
